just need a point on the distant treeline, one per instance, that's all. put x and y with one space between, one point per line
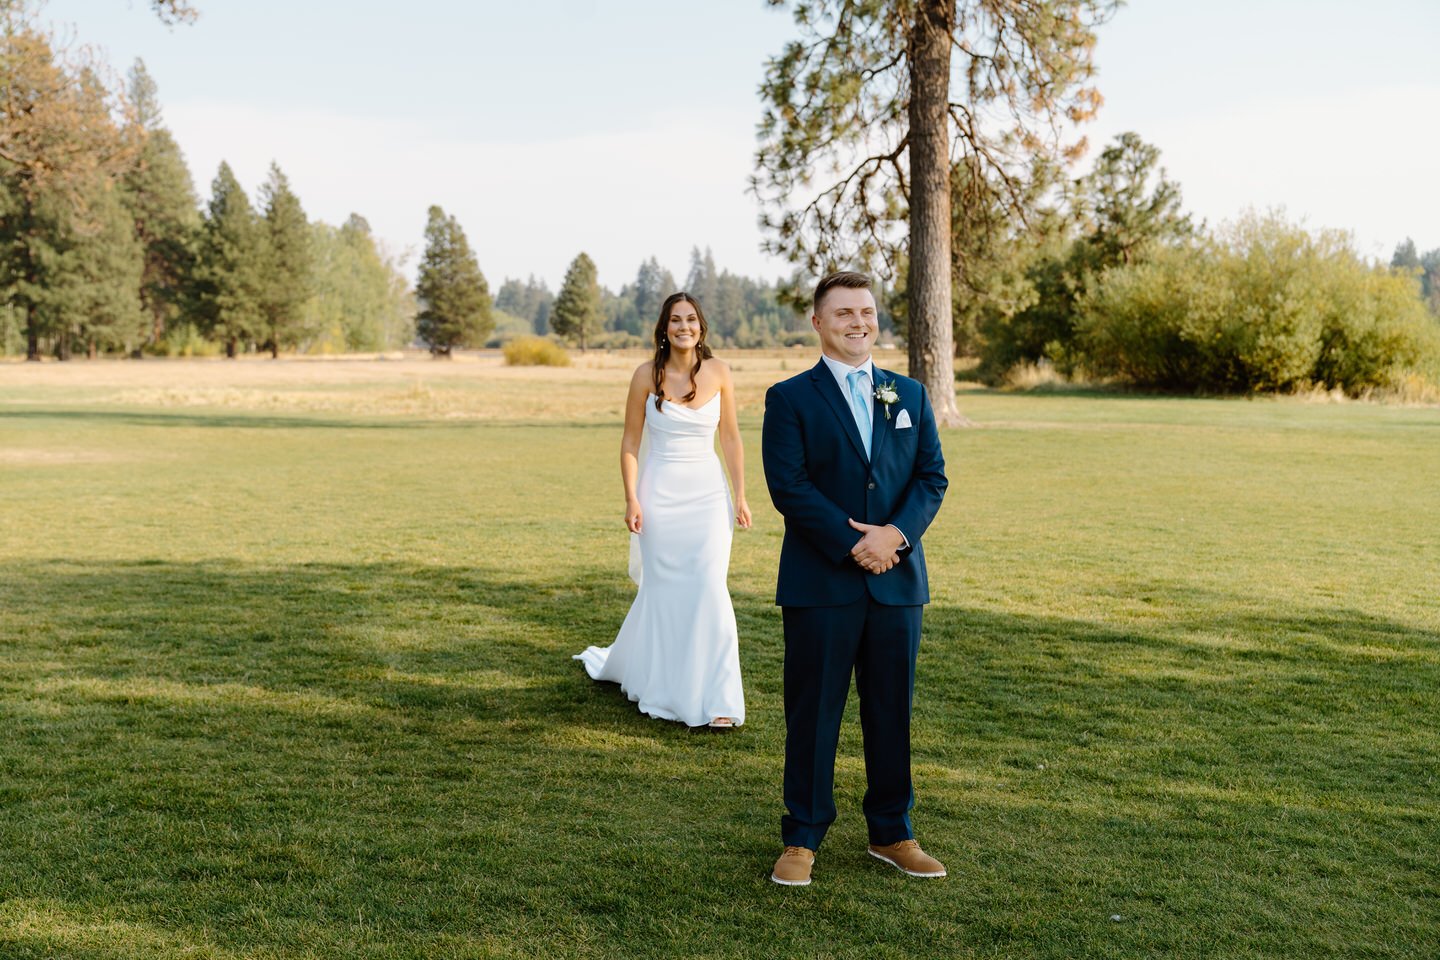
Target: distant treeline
739 311
104 249
457 308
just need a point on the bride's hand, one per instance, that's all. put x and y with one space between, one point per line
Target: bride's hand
632 516
742 514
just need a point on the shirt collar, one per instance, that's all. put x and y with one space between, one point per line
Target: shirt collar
841 371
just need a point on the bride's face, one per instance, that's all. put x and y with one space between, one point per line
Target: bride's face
683 329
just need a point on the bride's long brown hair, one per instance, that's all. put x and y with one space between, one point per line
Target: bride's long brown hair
662 347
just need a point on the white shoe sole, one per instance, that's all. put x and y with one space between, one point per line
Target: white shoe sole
912 873
790 883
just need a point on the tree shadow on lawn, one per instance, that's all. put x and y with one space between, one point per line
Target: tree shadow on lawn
338 737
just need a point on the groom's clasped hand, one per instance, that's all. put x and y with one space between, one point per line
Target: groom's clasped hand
879 549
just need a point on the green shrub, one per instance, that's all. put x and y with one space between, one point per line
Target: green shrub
1377 331
1265 305
535 352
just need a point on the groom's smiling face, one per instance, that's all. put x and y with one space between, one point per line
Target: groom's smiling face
847 324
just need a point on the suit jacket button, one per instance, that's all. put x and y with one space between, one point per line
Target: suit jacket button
870 485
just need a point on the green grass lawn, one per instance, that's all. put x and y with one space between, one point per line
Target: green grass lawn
296 683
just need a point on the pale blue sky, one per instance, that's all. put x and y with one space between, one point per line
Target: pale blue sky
626 128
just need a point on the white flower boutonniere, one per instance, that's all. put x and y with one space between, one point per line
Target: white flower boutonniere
885 393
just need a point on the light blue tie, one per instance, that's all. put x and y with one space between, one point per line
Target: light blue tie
860 406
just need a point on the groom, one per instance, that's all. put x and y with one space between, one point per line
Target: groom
853 462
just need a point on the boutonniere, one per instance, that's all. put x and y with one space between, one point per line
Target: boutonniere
885 393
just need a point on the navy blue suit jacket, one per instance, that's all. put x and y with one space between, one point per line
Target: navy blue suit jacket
819 477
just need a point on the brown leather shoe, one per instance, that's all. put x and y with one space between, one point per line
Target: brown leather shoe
793 867
909 858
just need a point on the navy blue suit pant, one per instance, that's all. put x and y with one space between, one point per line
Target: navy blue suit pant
823 645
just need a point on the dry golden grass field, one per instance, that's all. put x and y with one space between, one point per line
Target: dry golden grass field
471 386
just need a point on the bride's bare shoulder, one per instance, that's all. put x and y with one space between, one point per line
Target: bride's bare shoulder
717 368
641 380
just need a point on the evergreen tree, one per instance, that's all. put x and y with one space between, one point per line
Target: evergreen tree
653 284
578 311
106 263
868 91
58 148
1126 216
1430 280
1125 210
288 279
620 314
454 298
161 198
703 280
230 266
529 300
728 306
1406 257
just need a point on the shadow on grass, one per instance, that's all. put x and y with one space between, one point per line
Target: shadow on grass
256 756
494 646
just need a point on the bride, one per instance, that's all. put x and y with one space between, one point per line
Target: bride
678 653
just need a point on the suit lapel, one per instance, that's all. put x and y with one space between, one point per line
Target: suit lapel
882 425
830 390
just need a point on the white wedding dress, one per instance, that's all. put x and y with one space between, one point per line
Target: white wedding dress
678 653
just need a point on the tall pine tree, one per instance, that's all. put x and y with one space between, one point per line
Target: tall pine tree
105 263
454 298
59 147
870 92
161 198
653 283
288 280
578 313
703 280
230 265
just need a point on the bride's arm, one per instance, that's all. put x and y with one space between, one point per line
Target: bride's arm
630 444
732 446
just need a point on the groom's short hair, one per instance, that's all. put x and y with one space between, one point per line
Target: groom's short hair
841 278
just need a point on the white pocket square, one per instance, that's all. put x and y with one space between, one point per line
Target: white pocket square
902 422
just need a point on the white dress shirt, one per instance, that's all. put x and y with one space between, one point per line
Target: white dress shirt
841 372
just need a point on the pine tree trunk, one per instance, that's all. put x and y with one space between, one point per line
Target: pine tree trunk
32 336
32 329
230 348
90 353
930 335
